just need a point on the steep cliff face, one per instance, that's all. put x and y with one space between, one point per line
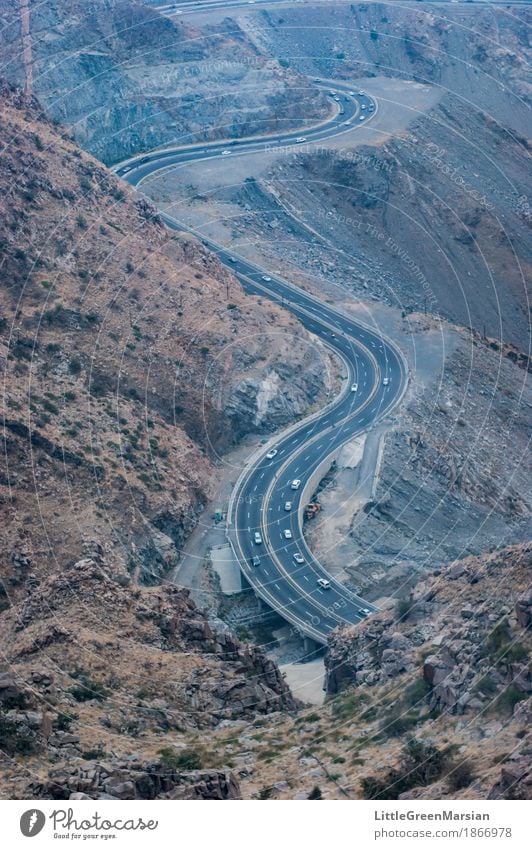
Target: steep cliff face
125 351
125 78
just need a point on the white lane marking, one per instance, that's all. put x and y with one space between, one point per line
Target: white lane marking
305 577
266 571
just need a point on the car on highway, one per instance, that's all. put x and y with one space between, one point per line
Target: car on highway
347 123
337 98
352 93
295 484
287 534
266 278
323 584
354 387
257 538
271 454
361 117
232 259
361 92
287 506
255 561
299 557
300 139
226 153
386 381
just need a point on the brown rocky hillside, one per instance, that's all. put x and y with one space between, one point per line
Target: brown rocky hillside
130 359
125 78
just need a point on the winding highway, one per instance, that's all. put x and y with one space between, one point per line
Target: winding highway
264 522
188 7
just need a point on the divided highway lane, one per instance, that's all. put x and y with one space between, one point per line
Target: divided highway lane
262 492
258 502
357 108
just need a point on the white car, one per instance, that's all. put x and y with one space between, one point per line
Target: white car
232 259
287 534
347 123
352 93
300 139
226 153
266 278
271 454
354 387
288 506
257 537
386 381
299 557
361 92
295 484
361 117
325 585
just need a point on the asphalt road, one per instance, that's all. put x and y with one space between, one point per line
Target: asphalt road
374 366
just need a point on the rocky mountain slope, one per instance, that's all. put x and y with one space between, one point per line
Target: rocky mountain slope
434 216
143 700
96 669
480 52
125 78
443 225
130 359
453 477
